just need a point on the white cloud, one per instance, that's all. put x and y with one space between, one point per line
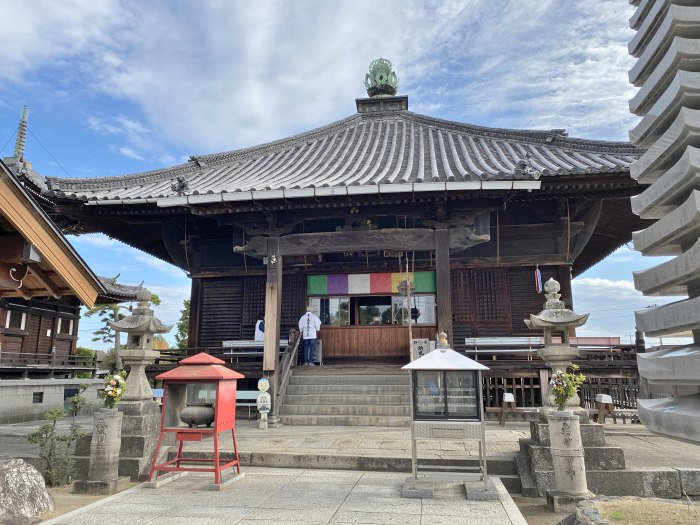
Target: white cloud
214 76
126 152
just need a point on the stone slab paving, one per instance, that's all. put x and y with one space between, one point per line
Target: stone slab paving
281 496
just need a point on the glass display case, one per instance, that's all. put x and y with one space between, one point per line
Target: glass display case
446 394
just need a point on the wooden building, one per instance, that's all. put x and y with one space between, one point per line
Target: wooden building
338 216
43 280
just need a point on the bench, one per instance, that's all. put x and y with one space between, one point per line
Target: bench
509 406
502 345
247 398
604 406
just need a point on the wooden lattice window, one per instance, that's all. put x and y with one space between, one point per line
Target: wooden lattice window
462 307
491 294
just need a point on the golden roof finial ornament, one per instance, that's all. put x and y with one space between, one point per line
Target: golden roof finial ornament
381 79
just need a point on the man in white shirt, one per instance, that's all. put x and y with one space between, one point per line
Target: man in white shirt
309 326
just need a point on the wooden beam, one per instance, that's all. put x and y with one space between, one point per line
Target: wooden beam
45 280
442 281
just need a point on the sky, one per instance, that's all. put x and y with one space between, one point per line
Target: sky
118 87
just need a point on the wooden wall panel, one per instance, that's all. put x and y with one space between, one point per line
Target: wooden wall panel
253 304
31 340
293 302
221 313
524 299
370 341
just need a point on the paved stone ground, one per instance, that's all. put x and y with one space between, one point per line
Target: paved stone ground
280 496
304 446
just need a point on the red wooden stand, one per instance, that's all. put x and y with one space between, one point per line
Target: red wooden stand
208 372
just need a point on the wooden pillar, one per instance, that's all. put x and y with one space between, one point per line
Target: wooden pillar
442 281
273 305
195 298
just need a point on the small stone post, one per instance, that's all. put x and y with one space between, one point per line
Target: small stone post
571 485
103 471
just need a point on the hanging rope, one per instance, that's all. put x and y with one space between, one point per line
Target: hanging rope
187 257
245 259
498 238
568 230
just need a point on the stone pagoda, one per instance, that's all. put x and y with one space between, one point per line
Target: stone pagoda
667 46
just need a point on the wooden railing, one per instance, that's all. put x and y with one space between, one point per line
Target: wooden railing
20 359
288 361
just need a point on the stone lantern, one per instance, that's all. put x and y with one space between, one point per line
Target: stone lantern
558 356
141 412
566 444
140 328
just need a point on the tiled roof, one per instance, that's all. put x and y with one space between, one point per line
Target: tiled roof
386 151
116 292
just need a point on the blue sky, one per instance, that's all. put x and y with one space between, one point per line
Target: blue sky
117 87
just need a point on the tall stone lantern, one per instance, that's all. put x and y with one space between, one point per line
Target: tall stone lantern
566 445
141 412
555 318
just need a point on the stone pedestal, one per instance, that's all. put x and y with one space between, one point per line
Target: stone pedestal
103 470
139 437
137 386
568 462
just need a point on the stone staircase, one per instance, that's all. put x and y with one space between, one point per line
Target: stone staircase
348 395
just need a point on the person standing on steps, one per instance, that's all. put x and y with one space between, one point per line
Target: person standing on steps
309 326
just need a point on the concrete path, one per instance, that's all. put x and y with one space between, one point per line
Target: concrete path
279 496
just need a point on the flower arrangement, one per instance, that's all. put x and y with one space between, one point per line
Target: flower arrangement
115 386
565 385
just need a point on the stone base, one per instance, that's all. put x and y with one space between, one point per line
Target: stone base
582 413
560 502
140 429
477 492
103 488
221 486
274 422
447 488
164 480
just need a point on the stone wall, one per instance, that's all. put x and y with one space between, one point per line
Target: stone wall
19 397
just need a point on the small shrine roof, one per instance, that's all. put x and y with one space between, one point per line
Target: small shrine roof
444 359
387 151
201 366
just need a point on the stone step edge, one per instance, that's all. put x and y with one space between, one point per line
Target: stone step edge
500 466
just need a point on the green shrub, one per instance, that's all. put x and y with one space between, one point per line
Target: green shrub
54 448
